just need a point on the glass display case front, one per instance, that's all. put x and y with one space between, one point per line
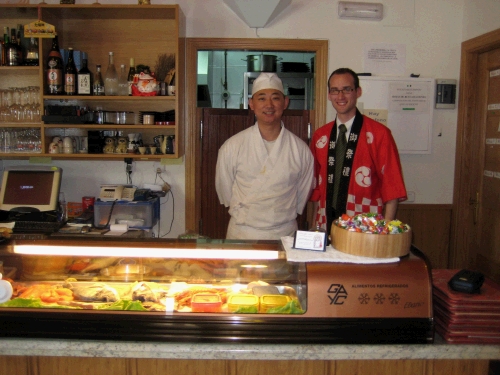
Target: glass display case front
156 283
201 290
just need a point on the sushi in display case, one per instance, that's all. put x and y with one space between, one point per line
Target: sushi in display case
207 291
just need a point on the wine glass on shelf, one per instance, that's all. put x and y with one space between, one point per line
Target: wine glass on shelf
5 113
16 109
27 114
38 106
4 107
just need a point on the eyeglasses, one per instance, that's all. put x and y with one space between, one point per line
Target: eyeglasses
345 90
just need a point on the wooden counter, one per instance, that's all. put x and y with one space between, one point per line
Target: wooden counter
58 357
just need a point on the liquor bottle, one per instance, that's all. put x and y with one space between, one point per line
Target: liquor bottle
122 81
5 42
21 40
20 50
111 78
55 69
70 74
32 53
131 74
20 34
98 86
84 79
13 52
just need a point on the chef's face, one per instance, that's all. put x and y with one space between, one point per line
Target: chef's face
343 102
268 105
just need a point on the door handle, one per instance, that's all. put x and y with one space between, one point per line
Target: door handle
475 203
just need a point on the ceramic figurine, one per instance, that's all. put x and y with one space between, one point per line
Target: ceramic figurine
109 145
121 147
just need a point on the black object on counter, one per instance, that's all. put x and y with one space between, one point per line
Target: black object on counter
467 281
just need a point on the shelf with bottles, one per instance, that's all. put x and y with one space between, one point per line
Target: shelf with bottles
122 29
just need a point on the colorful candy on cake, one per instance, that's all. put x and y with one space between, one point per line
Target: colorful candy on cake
371 223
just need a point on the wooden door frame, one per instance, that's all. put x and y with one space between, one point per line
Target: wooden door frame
192 128
467 157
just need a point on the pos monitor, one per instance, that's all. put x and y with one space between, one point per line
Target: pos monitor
30 189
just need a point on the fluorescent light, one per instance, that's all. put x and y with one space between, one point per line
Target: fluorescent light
360 11
145 252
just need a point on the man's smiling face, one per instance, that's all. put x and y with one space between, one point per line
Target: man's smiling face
343 102
268 105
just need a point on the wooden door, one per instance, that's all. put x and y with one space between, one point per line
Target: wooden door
487 212
217 125
475 221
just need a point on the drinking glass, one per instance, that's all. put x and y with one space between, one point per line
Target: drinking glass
5 146
4 108
35 103
62 207
16 109
5 113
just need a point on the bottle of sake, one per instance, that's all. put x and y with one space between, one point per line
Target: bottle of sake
55 69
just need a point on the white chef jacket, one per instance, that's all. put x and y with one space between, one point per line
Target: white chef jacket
264 192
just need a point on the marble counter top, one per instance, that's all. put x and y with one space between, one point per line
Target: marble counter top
123 349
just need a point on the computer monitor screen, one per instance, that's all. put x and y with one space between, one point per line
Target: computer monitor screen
30 189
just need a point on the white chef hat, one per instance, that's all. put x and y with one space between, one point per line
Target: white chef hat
267 81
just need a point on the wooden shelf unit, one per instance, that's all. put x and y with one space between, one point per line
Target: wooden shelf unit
138 31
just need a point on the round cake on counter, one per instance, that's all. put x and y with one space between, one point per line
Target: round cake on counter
370 235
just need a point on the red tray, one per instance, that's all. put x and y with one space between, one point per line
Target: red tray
469 327
440 298
488 297
474 318
466 338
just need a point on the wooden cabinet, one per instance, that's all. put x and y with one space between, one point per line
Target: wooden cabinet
139 31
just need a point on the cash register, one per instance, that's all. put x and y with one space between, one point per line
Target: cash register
30 198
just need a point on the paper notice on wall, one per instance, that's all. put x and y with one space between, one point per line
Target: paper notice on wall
409 97
385 59
379 115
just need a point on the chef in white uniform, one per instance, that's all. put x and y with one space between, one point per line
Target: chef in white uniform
264 173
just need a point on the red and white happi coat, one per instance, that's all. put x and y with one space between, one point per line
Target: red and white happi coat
376 175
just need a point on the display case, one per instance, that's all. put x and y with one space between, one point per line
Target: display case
207 291
141 32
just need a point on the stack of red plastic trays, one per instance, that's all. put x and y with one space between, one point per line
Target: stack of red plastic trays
466 318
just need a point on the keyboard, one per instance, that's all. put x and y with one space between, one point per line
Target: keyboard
36 226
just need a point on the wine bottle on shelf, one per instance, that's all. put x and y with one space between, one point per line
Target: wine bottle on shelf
21 40
111 78
122 81
84 79
32 53
4 45
98 86
131 74
13 51
70 74
55 69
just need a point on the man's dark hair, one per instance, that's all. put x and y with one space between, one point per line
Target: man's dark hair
345 71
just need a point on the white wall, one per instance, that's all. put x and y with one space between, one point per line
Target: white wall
481 17
431 31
